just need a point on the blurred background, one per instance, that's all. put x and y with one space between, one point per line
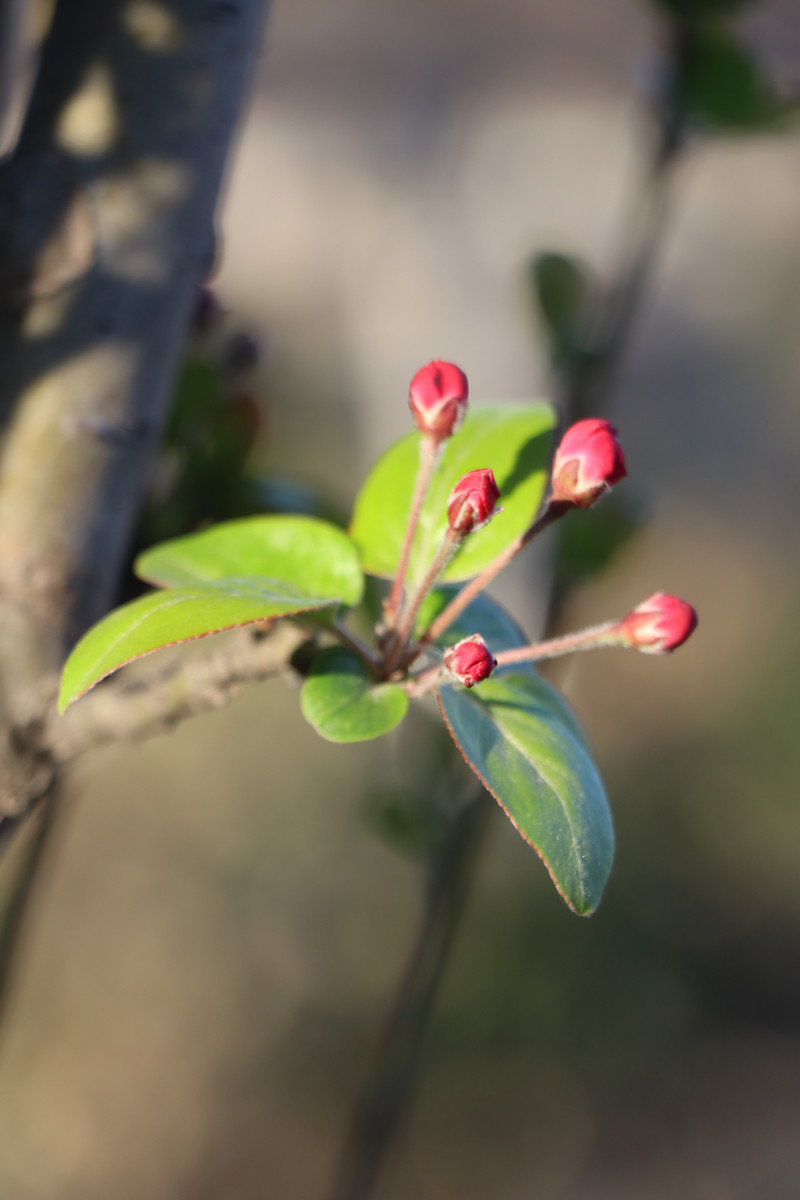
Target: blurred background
220 928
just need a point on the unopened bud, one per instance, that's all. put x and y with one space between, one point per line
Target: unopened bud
588 461
438 399
470 660
659 624
472 501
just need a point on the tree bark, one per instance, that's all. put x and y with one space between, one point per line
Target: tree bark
106 230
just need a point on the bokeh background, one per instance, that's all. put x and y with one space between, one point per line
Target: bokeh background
219 929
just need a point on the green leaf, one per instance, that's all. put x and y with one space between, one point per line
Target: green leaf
512 440
562 287
484 616
721 85
312 557
344 704
164 618
693 9
528 750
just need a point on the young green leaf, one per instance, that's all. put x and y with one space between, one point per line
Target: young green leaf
512 440
528 750
344 704
307 554
164 618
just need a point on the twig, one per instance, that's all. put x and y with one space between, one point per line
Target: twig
385 1094
154 704
12 922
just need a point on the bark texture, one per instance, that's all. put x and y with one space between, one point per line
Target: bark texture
106 229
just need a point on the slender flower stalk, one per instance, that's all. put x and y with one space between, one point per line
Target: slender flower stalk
552 511
450 542
610 633
428 458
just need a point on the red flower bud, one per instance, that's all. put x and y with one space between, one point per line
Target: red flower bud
470 660
438 399
472 501
659 624
588 461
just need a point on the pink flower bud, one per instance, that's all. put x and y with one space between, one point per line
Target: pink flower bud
588 461
472 501
470 660
659 624
438 399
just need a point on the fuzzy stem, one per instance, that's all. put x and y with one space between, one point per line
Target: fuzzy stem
552 511
428 457
597 637
450 543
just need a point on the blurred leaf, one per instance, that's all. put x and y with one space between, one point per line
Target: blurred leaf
512 440
313 557
562 287
165 618
721 85
408 822
525 746
343 702
196 397
587 546
692 9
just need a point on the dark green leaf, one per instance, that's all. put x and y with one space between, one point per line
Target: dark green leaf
344 704
721 85
164 618
562 288
311 556
527 749
512 440
484 616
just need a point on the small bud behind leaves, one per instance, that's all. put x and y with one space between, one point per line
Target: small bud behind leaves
438 399
588 461
472 501
659 624
470 660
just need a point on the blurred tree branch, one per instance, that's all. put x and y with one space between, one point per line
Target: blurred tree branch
106 230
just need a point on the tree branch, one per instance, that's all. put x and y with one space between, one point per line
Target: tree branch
130 127
150 705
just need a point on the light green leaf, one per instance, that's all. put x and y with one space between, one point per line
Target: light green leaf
528 750
344 704
512 440
311 556
164 618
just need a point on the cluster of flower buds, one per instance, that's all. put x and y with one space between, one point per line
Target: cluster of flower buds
587 463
